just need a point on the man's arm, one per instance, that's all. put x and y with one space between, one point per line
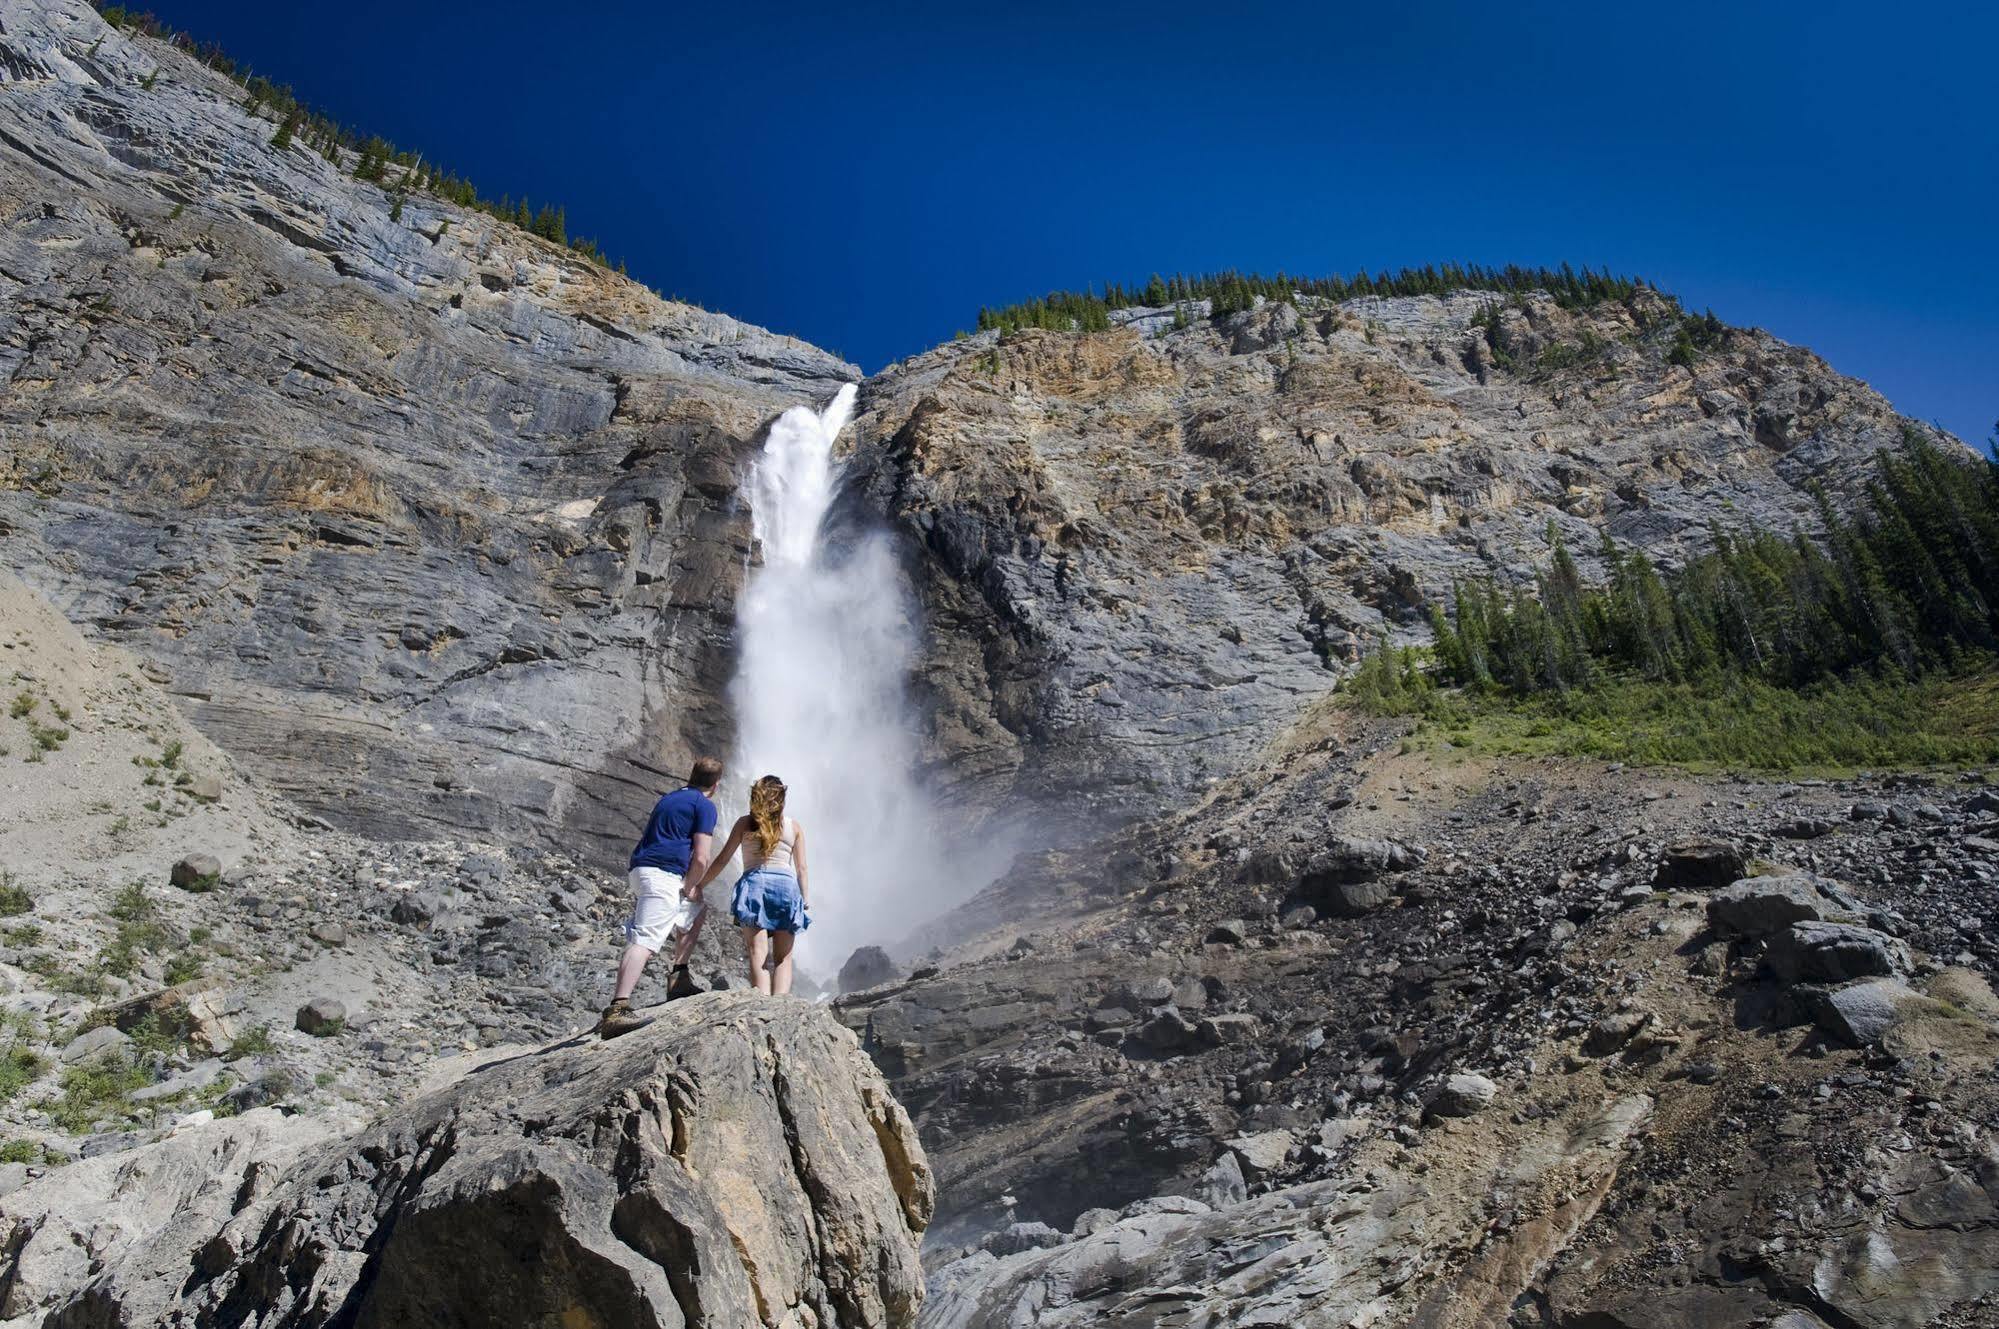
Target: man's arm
697 864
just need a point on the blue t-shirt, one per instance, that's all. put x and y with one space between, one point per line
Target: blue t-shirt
668 841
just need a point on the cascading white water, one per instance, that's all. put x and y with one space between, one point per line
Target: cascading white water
824 644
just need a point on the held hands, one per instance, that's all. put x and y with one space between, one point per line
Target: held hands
691 891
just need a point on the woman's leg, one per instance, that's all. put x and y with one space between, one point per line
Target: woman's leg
780 951
756 940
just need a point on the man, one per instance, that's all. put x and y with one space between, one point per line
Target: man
669 859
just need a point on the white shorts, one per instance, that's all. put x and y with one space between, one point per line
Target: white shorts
660 910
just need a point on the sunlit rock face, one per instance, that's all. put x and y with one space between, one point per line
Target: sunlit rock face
1143 550
431 523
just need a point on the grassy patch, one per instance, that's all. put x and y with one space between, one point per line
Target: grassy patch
139 930
101 1089
251 1042
19 1068
152 1034
23 703
1738 725
14 899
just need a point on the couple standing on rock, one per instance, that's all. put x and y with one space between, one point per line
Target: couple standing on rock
671 868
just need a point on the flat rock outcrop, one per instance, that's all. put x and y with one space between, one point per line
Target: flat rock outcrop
736 1162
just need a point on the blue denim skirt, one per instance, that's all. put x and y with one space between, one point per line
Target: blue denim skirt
769 900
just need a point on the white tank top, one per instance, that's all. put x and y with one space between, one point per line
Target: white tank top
779 857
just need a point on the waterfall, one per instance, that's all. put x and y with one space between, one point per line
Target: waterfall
824 641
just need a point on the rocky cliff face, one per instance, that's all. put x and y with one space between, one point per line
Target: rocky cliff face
1140 551
737 1162
435 525
432 524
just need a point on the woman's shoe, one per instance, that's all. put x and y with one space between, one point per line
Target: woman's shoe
682 984
618 1018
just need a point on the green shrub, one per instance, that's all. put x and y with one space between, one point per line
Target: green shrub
14 899
19 1068
103 1088
24 702
252 1042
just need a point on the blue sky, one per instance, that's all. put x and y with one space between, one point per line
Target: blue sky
868 180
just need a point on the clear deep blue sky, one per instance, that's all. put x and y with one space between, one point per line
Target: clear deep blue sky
866 181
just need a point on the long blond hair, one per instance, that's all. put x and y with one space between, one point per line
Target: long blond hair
767 812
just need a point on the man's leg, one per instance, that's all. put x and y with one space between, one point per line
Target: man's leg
780 951
757 941
688 936
631 967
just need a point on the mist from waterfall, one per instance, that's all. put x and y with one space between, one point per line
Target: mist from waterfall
825 639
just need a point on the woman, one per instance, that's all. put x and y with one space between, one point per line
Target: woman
771 894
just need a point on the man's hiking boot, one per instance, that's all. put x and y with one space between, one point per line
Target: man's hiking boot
682 984
619 1018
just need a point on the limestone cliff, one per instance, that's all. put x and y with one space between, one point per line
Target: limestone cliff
431 523
1140 551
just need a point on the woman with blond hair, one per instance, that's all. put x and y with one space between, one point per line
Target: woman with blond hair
771 894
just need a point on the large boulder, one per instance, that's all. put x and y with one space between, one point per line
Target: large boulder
738 1157
1862 1013
1464 1095
868 967
1344 876
1698 865
1759 906
1818 952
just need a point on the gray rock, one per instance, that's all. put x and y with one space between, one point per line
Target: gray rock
329 933
1228 932
1164 1204
1167 1031
1017 1237
1698 865
1261 1153
1229 1030
1611 1032
1350 899
1222 1184
422 1217
868 967
93 1043
196 872
321 1016
1758 906
1819 952
1464 1095
1092 1220
417 909
1861 1013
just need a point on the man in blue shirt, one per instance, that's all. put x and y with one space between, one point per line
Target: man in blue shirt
671 855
